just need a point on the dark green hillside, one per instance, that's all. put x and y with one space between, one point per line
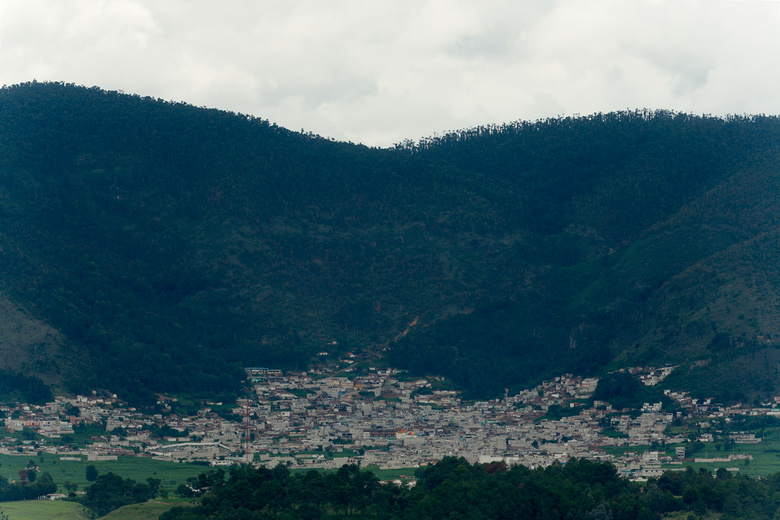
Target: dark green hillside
648 235
148 246
170 244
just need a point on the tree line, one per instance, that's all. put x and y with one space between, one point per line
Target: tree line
454 488
26 488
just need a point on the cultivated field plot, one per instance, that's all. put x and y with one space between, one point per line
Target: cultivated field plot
766 455
43 510
147 511
137 468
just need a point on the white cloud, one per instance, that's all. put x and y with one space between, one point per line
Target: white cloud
381 71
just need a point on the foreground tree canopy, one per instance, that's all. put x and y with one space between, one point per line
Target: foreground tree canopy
453 488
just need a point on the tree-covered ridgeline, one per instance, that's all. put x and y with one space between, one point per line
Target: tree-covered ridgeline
453 488
110 491
169 245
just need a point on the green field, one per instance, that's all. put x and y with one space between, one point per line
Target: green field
391 474
766 455
43 510
147 511
619 451
137 468
63 510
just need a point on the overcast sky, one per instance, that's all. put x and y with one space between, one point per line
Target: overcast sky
378 72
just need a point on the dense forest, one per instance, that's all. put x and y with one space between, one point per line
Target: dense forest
455 489
28 487
149 246
110 492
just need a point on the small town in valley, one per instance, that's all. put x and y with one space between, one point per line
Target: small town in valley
383 418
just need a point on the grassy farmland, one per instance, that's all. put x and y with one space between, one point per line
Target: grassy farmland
147 511
62 510
43 510
137 468
766 455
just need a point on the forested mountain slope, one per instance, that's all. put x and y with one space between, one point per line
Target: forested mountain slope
149 246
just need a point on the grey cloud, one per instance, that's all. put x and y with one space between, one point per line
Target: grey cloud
485 46
379 72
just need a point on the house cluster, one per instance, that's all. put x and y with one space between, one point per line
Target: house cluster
382 418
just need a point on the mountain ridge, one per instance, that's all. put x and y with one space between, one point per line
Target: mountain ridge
169 245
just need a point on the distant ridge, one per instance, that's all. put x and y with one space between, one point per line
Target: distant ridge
162 247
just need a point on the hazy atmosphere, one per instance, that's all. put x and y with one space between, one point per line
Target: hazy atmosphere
380 72
408 260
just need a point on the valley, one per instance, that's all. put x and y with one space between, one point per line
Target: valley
156 248
386 420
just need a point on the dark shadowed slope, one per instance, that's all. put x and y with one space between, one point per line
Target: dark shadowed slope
165 246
